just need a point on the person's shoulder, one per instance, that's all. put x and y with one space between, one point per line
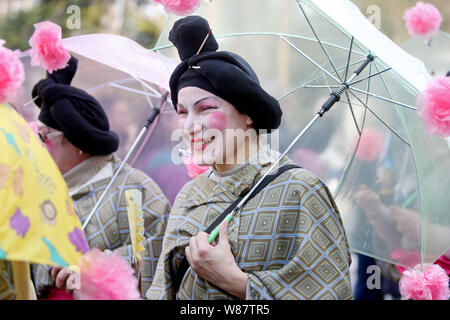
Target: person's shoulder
301 180
190 188
305 176
196 182
299 175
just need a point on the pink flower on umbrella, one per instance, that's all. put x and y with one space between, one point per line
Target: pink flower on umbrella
423 20
12 74
47 49
430 284
433 106
179 7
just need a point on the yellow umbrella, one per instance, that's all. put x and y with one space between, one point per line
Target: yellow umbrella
38 223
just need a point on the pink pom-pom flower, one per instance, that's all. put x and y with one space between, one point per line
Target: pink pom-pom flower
12 73
106 277
180 7
194 170
47 49
431 284
433 106
423 20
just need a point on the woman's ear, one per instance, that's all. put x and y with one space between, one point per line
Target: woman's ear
249 121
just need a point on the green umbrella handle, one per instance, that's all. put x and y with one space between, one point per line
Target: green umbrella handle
215 232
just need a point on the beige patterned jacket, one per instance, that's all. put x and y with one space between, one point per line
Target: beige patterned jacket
289 238
109 228
6 287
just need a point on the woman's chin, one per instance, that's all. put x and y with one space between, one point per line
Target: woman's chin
204 158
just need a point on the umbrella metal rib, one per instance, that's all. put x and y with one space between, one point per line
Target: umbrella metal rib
352 112
369 76
381 120
275 34
320 42
348 59
118 86
414 159
305 85
334 97
310 59
384 99
328 86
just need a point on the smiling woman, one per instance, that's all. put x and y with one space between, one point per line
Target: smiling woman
288 241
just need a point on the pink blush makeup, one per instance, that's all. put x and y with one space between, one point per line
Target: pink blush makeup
49 145
217 120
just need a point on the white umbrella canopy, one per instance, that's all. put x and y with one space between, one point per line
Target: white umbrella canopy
388 175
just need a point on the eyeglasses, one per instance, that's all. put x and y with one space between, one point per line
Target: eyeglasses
45 136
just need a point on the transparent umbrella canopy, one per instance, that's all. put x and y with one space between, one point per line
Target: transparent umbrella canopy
389 177
436 57
131 83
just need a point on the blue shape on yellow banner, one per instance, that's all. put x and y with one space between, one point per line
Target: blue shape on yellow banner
2 254
54 255
10 138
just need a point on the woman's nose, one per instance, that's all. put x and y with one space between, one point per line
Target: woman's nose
192 125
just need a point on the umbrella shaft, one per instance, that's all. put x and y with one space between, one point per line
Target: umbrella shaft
336 96
150 120
113 179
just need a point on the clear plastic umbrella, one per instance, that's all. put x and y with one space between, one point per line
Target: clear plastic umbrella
436 57
389 177
130 82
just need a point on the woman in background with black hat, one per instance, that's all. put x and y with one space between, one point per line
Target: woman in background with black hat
288 241
75 130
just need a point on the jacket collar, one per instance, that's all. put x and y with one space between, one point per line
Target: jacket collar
213 186
91 170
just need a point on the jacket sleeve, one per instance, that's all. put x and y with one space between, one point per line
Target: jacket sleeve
319 267
6 283
156 209
172 253
41 278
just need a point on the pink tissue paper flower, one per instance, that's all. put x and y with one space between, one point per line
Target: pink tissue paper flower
433 106
180 7
431 284
423 20
106 277
12 73
47 49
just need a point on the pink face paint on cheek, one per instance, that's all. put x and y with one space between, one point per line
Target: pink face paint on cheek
49 146
217 120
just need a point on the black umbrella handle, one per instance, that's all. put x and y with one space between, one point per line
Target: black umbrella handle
336 96
152 117
369 59
155 111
